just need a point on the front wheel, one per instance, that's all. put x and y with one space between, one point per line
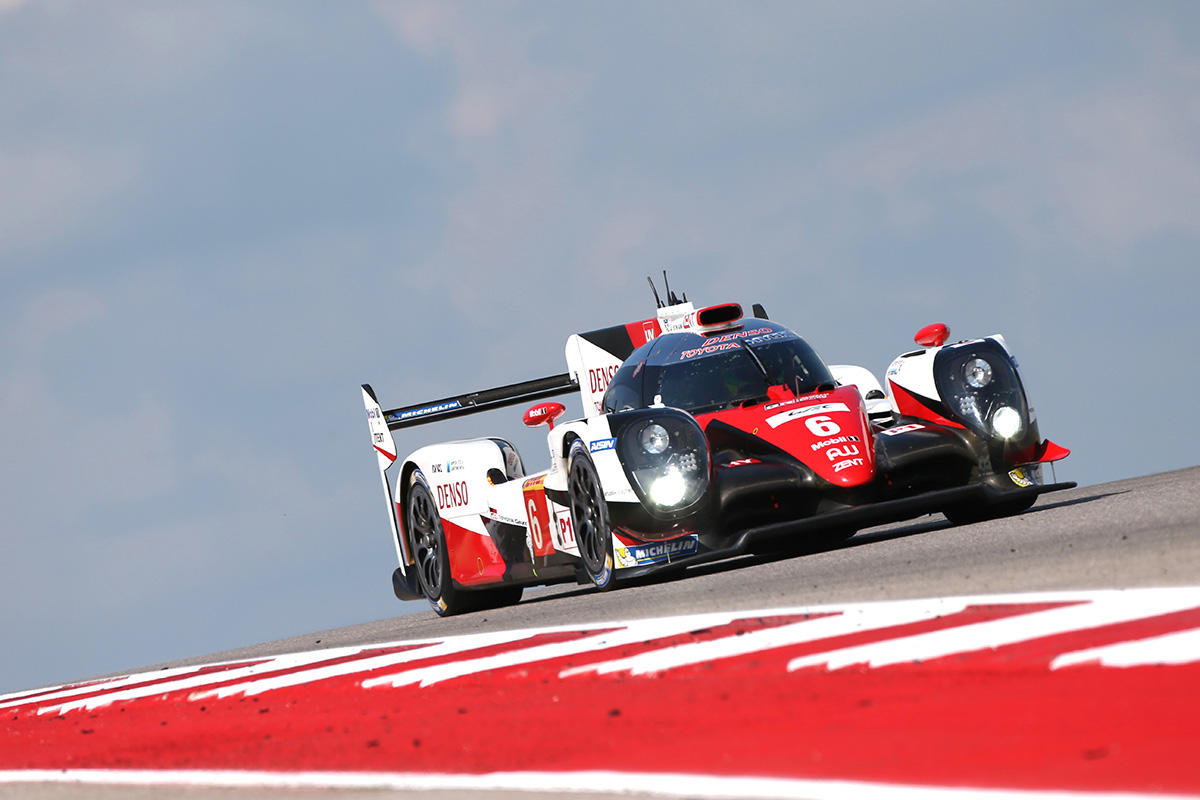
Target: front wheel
589 517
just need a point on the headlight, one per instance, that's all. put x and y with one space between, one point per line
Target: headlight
979 387
655 438
665 455
1006 422
668 489
977 373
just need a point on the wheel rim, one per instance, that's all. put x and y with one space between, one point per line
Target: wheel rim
586 516
427 540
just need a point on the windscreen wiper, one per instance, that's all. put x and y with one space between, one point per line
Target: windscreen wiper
757 360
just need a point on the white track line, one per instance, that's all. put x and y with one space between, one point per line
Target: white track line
642 631
1181 647
637 783
855 620
999 632
1184 596
458 644
76 689
290 661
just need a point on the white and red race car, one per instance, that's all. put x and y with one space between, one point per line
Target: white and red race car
705 434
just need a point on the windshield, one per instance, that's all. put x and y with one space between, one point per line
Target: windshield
734 376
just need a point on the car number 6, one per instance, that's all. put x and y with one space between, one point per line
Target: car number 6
535 527
822 425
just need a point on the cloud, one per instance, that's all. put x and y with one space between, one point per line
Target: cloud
53 313
499 84
54 192
1100 170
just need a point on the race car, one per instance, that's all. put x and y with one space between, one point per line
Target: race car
706 434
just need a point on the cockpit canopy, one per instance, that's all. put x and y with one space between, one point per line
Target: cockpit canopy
706 373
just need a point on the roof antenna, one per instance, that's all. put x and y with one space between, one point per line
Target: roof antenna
671 298
656 300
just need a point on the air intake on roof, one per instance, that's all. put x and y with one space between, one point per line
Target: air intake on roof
714 316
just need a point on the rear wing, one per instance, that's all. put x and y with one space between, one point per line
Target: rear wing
472 402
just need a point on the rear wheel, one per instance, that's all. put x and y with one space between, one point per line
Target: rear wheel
589 517
433 561
429 549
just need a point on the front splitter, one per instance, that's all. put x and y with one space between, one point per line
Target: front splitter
880 513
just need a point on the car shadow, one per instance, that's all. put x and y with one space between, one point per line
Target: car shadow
1076 501
930 524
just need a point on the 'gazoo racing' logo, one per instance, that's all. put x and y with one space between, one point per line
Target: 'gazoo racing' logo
452 495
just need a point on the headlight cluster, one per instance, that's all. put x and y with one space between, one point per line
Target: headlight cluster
666 457
980 385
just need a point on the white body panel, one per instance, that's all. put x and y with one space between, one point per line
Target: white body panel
598 437
866 382
457 475
592 368
914 373
679 317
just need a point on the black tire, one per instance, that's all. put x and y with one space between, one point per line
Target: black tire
589 517
967 514
428 540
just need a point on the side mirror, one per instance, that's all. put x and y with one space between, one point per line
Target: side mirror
543 412
934 335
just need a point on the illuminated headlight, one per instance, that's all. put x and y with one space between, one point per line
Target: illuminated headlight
977 373
665 455
655 439
1006 422
668 489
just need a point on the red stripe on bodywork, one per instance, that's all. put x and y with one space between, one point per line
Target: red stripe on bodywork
474 559
912 405
642 331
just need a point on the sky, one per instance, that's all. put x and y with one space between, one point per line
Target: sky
218 219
